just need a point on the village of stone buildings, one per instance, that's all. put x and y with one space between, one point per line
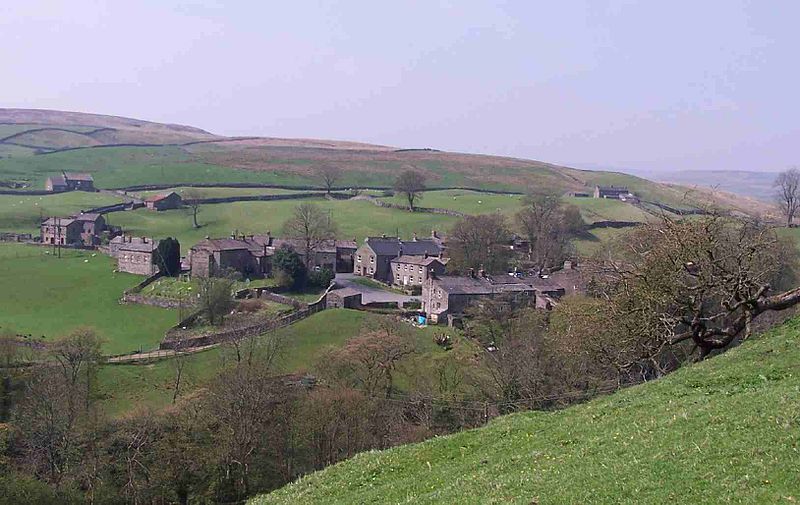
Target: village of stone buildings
407 274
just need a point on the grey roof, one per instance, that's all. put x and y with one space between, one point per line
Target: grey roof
457 285
61 221
220 244
613 189
417 260
86 217
57 180
138 246
75 176
393 246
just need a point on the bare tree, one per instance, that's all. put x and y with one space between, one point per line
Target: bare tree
480 242
787 195
548 225
329 174
702 281
191 198
366 362
410 183
312 227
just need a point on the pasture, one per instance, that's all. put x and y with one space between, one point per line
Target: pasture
355 219
22 213
46 296
127 386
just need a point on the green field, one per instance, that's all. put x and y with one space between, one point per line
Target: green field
218 192
24 213
468 202
604 209
126 386
723 431
356 220
126 166
47 296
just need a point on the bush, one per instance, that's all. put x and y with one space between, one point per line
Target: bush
289 268
321 278
250 305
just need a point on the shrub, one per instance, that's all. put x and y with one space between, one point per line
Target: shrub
321 278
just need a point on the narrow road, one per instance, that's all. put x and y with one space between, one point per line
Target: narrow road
371 294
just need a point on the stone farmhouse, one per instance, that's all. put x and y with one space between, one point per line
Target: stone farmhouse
70 182
248 255
165 201
335 255
373 259
613 192
445 298
251 255
80 230
134 255
415 270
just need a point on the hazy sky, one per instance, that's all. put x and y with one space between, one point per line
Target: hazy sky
652 84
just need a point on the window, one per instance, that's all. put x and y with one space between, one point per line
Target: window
372 259
420 269
371 270
397 267
419 279
359 258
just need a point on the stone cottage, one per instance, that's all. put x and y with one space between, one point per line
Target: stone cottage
134 255
415 270
373 258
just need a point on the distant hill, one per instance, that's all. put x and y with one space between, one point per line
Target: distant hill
123 152
758 185
721 431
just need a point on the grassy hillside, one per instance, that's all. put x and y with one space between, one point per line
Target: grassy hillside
22 213
723 431
122 152
47 296
127 386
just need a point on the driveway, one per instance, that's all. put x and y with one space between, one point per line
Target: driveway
370 294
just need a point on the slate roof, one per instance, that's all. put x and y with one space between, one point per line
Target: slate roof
417 260
86 217
62 221
58 180
138 246
393 246
457 285
221 244
79 177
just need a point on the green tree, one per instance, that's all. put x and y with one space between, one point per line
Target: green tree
168 256
289 268
215 298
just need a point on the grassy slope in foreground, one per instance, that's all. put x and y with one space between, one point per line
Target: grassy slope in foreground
723 431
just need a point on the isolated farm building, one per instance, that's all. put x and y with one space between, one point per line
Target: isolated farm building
448 296
61 231
56 184
613 192
69 181
414 270
373 258
345 298
165 201
248 255
134 255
